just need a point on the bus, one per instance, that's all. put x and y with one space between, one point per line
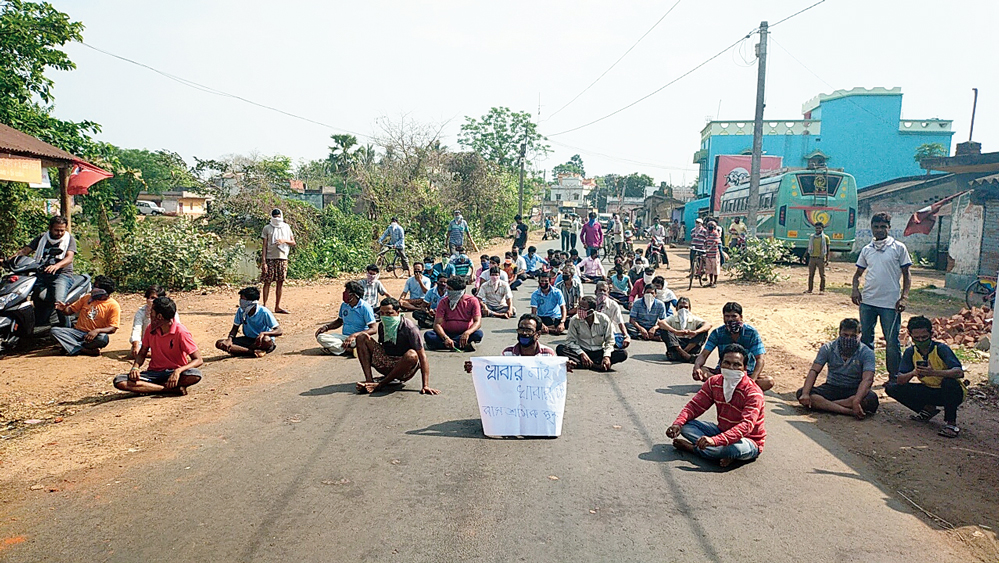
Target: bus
792 201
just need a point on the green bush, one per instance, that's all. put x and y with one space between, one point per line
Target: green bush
343 244
174 254
758 261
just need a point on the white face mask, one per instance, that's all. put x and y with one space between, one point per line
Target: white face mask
649 300
732 379
647 278
684 317
277 221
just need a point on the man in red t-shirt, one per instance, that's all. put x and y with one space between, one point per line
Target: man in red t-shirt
458 320
739 434
174 358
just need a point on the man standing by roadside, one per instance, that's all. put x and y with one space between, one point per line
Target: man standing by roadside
520 237
173 356
884 260
697 238
396 237
592 234
617 231
457 232
277 242
818 257
577 227
565 224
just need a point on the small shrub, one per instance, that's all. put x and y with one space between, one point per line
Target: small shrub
174 254
758 261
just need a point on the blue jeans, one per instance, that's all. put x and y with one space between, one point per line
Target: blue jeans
57 286
434 342
743 450
891 321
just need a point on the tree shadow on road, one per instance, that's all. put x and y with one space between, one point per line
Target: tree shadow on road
659 359
680 389
330 389
464 428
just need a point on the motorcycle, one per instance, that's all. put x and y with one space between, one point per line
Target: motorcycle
656 253
18 313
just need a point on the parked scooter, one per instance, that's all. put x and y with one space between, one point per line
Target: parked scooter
18 311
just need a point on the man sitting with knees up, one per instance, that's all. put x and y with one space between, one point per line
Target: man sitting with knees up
590 342
173 356
847 389
734 332
739 402
396 352
99 316
355 317
683 333
260 327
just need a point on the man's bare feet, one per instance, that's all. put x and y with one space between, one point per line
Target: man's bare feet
282 311
683 444
725 462
259 353
181 391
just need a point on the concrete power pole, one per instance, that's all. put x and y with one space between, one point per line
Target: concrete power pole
754 172
520 204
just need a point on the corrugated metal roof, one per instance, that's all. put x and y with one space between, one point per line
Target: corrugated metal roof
990 179
15 142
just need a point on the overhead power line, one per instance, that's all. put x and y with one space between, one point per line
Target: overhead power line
635 44
213 91
622 159
798 13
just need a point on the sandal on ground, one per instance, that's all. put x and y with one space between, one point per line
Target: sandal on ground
924 415
949 431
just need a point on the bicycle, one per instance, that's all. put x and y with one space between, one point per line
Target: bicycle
388 264
981 293
699 270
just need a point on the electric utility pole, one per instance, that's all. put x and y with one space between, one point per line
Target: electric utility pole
520 204
754 170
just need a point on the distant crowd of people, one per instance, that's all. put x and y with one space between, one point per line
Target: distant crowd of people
447 298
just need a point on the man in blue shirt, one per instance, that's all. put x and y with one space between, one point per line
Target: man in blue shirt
396 237
425 316
443 267
548 303
734 331
461 264
645 316
260 328
356 316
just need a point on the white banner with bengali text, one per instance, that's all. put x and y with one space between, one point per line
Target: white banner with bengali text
520 395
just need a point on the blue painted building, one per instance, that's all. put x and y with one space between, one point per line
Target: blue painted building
858 130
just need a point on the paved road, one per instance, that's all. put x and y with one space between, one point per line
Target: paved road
312 472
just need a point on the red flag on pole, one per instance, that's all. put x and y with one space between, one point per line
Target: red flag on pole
922 221
83 176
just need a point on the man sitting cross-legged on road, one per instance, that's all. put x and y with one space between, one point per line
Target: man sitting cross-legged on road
173 356
643 321
612 309
940 376
356 317
99 317
495 296
416 288
590 342
528 332
457 321
734 332
260 327
739 434
396 352
683 333
847 389
548 304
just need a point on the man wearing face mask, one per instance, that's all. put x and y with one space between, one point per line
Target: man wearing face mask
883 261
395 236
260 328
638 287
277 242
735 331
665 294
374 290
415 291
847 389
173 356
356 317
425 318
609 307
528 332
684 333
495 296
740 433
458 320
590 268
548 304
940 376
482 275
645 316
590 339
396 352
592 234
98 317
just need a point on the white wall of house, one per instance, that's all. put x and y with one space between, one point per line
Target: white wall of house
965 242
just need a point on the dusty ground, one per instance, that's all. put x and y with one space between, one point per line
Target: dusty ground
60 418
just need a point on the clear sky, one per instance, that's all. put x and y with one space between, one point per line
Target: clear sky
347 64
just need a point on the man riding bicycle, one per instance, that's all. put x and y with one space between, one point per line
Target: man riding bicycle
396 237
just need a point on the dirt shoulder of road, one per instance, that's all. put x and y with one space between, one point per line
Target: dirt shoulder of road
61 420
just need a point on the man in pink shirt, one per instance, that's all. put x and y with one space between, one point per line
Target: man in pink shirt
592 234
590 268
174 356
739 434
458 320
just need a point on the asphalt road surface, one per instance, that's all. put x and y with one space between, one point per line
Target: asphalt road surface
310 471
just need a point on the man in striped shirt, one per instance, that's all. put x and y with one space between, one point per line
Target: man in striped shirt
739 434
697 237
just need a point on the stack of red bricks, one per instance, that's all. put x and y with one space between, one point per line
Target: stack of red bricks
963 329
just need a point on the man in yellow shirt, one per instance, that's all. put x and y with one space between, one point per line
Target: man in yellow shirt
98 317
818 257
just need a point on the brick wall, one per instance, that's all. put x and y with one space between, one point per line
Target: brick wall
989 261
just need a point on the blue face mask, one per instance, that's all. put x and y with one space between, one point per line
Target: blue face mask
525 340
428 265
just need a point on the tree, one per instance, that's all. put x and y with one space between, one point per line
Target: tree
609 187
498 135
573 166
929 150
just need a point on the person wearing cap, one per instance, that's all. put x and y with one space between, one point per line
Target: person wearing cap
278 239
396 237
457 232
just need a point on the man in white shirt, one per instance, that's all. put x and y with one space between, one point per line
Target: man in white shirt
684 333
882 263
611 308
278 239
495 296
